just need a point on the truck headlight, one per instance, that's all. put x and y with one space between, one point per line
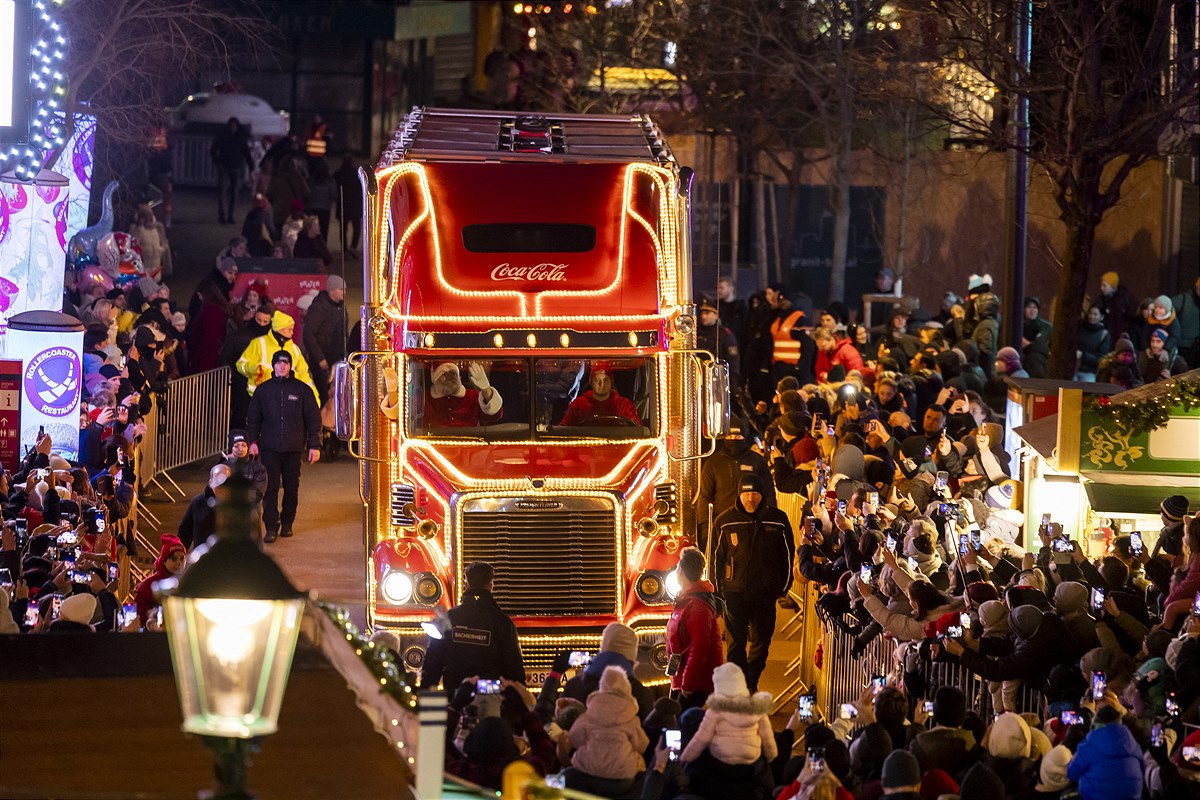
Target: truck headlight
671 582
396 587
429 589
649 587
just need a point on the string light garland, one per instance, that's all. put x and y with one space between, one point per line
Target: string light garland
379 660
47 129
1144 416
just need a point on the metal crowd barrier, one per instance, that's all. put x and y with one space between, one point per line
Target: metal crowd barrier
192 423
191 160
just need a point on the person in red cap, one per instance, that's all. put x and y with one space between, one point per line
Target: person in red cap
600 405
170 561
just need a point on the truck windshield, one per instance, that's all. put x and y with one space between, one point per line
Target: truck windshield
538 398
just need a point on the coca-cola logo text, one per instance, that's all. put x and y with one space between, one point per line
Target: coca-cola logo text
550 273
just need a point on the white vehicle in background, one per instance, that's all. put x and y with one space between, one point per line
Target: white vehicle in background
206 112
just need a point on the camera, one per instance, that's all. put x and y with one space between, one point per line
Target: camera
954 631
1097 598
1062 545
848 711
805 705
945 509
864 573
95 520
1099 685
1045 520
1157 735
878 681
1172 705
487 686
890 542
964 619
1135 543
1196 605
927 706
579 659
673 741
5 577
841 507
913 565
816 760
940 482
962 544
80 576
128 614
113 571
1071 717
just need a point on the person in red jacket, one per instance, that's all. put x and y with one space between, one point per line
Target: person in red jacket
832 351
694 638
600 405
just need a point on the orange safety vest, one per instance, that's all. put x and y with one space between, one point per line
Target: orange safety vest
315 145
786 348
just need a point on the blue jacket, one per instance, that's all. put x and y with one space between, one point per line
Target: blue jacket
1108 765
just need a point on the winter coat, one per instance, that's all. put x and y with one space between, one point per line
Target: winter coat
1094 343
1030 659
1190 583
843 353
608 738
325 330
753 552
482 641
1187 311
283 416
735 730
694 634
199 521
902 625
722 343
581 686
721 476
255 362
1120 310
1108 765
1152 367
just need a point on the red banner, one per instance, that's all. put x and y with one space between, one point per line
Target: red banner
10 414
291 291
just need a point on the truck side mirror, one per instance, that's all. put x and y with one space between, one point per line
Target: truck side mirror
716 399
345 405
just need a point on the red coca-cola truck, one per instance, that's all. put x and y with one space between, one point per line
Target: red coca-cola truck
528 391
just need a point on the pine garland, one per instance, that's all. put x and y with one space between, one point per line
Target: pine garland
1143 417
379 660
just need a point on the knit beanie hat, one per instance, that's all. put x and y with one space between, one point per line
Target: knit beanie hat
1053 773
280 320
993 615
949 706
1112 279
1165 303
1174 507
148 286
665 714
937 782
334 282
1124 344
1160 334
980 592
729 680
1106 715
566 711
980 783
615 681
621 639
1070 596
1010 358
1025 621
806 451
900 769
1187 768
1009 737
869 749
78 608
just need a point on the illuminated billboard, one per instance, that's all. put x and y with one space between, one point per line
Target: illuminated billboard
15 64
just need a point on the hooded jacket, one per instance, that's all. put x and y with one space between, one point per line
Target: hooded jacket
735 730
325 329
1108 765
255 362
1094 342
1036 649
694 635
1071 603
143 595
608 737
722 474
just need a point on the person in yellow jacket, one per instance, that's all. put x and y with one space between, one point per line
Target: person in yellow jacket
255 362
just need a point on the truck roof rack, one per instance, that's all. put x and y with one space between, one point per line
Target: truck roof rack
441 134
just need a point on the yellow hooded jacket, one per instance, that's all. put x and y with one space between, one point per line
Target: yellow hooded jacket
255 362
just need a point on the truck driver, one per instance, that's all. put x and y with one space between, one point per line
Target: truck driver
601 405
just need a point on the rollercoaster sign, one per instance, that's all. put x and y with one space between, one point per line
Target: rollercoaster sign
49 346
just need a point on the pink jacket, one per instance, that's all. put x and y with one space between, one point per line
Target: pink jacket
608 737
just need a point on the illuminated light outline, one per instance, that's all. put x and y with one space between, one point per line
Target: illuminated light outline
429 447
618 516
428 212
664 246
47 54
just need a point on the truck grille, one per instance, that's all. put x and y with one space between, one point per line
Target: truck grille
553 556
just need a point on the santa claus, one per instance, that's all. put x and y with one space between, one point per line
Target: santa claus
450 404
601 405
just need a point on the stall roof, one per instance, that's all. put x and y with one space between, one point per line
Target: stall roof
1041 435
1135 498
1047 386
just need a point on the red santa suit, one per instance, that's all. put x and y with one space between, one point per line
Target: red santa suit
586 407
465 411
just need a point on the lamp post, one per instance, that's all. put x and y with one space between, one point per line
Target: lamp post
232 619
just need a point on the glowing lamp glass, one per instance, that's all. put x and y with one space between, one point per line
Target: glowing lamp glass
232 659
672 584
396 587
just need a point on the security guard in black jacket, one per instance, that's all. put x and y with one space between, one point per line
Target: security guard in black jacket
283 420
752 561
721 473
481 642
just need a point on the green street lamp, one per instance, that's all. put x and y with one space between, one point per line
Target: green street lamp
232 619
